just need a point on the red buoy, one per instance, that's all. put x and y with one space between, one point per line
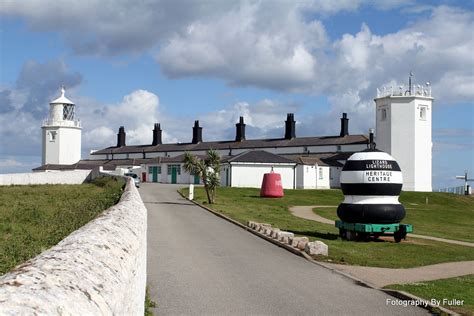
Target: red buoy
271 185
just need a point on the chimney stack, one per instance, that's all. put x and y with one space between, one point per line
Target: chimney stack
240 130
197 133
157 135
121 137
290 126
344 125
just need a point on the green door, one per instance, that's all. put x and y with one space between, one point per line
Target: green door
196 179
174 173
154 174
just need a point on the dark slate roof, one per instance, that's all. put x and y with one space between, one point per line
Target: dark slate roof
246 144
84 165
259 156
324 159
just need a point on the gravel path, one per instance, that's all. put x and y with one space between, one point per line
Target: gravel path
200 264
385 276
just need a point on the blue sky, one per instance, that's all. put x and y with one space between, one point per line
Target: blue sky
134 63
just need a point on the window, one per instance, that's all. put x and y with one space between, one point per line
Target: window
68 112
384 115
177 167
320 172
330 174
52 136
158 169
339 148
423 113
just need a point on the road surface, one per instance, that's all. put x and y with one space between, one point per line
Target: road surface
199 263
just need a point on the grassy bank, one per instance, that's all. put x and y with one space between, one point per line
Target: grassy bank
34 218
460 288
243 204
435 214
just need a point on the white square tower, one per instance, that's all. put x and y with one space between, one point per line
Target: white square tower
403 129
61 133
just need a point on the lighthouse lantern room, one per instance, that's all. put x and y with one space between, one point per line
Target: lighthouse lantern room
61 133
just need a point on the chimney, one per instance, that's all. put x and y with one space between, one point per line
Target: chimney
197 133
290 126
157 135
344 125
240 130
121 137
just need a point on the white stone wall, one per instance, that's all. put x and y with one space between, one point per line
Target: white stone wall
53 177
100 269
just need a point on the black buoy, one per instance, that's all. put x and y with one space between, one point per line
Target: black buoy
371 181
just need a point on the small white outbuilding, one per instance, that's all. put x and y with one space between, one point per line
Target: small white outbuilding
248 168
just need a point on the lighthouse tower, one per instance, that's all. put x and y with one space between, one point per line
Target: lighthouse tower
61 133
403 129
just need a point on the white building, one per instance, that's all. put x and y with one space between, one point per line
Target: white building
403 130
61 133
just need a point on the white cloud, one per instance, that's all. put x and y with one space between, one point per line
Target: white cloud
246 46
137 112
8 163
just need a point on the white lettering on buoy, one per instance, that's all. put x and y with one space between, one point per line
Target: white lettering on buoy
378 176
379 164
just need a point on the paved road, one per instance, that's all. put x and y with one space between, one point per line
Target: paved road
199 263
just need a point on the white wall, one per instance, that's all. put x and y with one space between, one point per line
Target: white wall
323 183
53 177
69 145
100 269
65 149
307 177
334 179
251 175
407 138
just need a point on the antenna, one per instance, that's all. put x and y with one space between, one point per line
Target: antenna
409 82
371 138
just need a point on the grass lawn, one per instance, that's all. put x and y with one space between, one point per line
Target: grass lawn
35 218
446 215
243 204
460 288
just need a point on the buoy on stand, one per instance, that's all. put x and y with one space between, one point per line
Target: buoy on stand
371 181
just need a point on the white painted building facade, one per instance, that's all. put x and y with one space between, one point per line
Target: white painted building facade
61 133
403 130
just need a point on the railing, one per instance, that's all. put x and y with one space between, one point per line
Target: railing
73 123
404 90
461 190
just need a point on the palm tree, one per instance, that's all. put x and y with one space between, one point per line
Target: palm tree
207 169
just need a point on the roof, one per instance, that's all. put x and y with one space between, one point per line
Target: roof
259 156
82 164
322 159
62 99
246 144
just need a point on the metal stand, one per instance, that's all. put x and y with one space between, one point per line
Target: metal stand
362 232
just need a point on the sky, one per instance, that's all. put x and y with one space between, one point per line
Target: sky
135 63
